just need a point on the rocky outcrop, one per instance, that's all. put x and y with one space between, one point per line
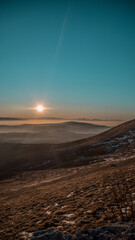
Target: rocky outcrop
117 231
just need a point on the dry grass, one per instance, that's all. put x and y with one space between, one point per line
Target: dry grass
67 199
120 198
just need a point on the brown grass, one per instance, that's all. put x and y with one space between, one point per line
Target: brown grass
120 199
68 199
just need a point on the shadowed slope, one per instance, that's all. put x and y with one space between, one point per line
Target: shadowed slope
20 157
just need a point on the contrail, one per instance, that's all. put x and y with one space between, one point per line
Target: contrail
60 41
62 32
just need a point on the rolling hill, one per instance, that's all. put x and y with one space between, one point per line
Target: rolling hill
48 133
118 141
70 186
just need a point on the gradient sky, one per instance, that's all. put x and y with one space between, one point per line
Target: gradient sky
76 57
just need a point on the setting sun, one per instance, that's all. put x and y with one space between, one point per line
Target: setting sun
40 108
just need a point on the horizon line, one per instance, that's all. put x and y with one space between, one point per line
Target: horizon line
58 118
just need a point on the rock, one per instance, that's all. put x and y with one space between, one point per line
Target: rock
83 235
50 234
68 236
117 231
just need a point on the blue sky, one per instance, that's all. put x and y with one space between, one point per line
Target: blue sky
76 57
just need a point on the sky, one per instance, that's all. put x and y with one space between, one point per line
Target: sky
77 58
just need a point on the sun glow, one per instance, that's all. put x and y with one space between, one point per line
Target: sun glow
40 108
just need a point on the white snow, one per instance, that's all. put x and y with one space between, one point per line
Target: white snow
69 215
64 206
26 235
70 195
114 141
48 212
69 222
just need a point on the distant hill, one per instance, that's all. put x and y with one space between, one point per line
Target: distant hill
114 132
119 140
48 133
11 119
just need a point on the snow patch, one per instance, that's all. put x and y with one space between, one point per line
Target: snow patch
69 215
48 212
69 222
70 195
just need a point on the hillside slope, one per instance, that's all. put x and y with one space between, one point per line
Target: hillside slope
18 157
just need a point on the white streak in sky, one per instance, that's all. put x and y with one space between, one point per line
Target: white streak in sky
60 40
62 33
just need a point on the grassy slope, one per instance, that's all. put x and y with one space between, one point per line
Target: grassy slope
43 199
16 157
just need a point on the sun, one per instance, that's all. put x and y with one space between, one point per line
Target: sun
40 108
